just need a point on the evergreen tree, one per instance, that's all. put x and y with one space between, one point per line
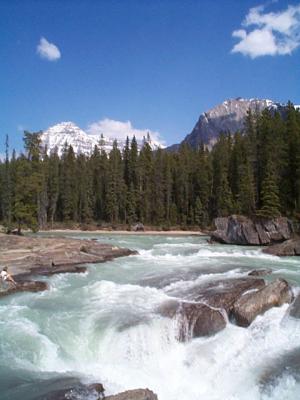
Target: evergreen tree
269 194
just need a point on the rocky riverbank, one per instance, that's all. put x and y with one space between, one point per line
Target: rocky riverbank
28 256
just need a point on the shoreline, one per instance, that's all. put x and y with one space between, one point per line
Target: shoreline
28 257
124 232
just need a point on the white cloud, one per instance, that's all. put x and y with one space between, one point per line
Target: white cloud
268 33
47 50
120 130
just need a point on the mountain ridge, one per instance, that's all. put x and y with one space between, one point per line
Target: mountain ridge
228 116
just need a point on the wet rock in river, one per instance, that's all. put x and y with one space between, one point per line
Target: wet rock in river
260 272
209 306
279 366
223 293
194 319
249 306
288 248
24 286
77 391
294 309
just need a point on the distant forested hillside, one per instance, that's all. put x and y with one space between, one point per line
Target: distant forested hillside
254 173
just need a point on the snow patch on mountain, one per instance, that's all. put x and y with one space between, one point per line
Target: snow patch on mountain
101 134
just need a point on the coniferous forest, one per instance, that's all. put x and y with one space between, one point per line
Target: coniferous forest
255 173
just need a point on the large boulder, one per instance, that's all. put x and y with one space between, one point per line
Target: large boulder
139 227
136 394
223 293
241 230
207 307
194 319
288 248
197 320
250 305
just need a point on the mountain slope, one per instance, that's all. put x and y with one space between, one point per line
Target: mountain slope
226 117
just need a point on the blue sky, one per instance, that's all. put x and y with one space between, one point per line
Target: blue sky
157 64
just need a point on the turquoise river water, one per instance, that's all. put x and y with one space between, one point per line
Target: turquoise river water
103 326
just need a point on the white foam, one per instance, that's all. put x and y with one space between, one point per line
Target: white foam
104 326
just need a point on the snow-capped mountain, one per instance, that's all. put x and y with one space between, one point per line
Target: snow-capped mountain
226 117
69 133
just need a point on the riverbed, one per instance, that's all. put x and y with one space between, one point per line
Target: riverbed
103 326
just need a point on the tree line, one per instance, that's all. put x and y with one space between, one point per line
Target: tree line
255 173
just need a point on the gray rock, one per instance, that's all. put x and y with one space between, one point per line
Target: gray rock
139 227
241 230
224 293
194 319
197 320
206 315
264 237
249 306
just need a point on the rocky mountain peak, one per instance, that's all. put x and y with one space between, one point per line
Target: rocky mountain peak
69 133
228 116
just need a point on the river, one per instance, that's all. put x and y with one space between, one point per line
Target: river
103 326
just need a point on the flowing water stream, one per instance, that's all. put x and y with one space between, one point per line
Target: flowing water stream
103 326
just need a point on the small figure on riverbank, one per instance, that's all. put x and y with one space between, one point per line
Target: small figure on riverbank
6 277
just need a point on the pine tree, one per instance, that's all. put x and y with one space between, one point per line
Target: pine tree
53 185
7 189
269 194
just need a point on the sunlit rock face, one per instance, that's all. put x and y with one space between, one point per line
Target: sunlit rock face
226 117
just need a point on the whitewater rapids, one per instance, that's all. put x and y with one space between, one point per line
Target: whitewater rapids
103 326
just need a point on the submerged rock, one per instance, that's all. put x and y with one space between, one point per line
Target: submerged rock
288 248
78 391
136 394
260 272
277 367
249 306
294 309
241 230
